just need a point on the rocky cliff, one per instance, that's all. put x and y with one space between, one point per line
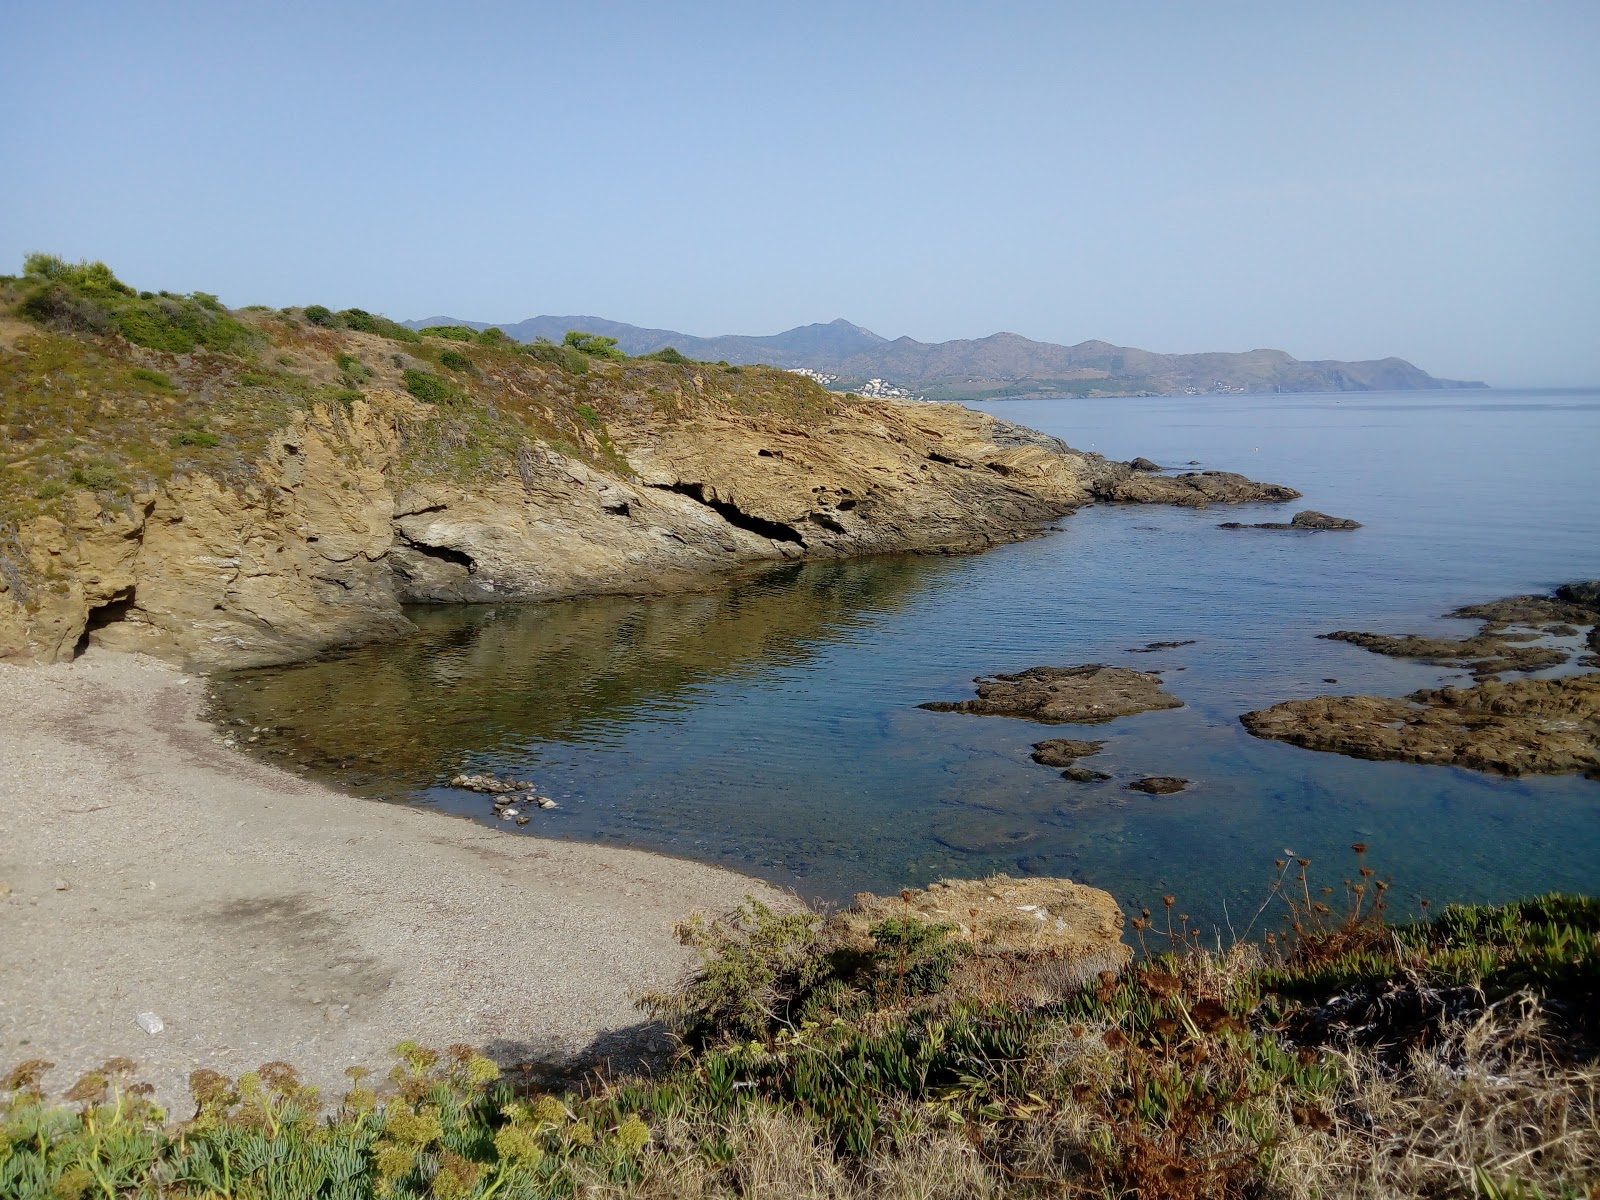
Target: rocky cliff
291 493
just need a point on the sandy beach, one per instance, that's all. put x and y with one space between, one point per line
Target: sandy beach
146 868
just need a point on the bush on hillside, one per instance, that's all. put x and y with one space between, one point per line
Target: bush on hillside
594 345
434 389
361 320
87 297
455 361
667 354
454 333
563 356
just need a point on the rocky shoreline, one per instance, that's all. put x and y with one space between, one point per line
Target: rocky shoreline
329 541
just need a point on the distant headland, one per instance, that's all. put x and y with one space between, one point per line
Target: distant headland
847 357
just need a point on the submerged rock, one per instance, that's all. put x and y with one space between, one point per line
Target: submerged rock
1081 774
1483 655
1085 694
1063 752
1521 727
1057 933
1152 647
1159 785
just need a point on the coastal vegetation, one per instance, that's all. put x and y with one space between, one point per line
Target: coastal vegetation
157 383
1338 1055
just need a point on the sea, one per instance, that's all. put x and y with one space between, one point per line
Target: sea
772 725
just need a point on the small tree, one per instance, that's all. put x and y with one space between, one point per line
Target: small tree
595 345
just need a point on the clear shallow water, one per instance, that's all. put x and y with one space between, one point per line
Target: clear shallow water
772 726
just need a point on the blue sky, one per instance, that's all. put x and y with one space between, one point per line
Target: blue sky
1344 181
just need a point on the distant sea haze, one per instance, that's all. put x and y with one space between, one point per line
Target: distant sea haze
1001 365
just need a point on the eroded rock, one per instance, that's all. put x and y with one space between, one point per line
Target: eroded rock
1085 694
1057 933
1520 727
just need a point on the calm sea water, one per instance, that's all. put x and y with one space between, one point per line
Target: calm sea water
773 727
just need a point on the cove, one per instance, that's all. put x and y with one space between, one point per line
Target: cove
772 726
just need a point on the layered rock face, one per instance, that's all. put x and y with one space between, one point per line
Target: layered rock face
324 544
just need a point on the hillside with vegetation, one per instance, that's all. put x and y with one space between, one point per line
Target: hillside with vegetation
1007 364
907 1059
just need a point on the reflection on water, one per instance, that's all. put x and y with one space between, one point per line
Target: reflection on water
772 727
479 685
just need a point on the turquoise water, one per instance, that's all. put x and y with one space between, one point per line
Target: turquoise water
773 726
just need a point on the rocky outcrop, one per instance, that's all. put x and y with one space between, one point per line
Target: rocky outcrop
1193 489
1057 933
1309 519
324 538
1527 726
1085 694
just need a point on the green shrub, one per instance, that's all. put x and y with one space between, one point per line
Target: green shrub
454 333
455 360
912 958
667 354
565 357
193 437
353 369
151 376
57 306
433 389
180 325
49 489
97 477
363 321
493 336
319 314
756 968
90 278
595 345
588 415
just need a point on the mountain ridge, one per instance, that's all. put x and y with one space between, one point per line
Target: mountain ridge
1001 364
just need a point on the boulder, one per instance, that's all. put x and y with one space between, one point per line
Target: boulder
1052 934
1144 464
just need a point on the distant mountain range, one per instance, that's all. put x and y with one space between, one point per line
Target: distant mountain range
1003 364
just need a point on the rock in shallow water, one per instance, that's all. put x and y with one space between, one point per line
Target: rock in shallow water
1081 774
1308 518
1524 727
1159 785
1085 694
1063 752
